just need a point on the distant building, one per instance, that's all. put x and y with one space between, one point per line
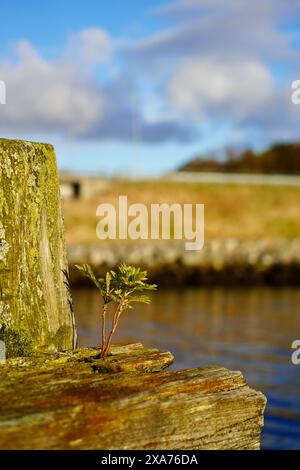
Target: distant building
75 186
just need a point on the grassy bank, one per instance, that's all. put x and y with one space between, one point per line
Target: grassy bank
243 212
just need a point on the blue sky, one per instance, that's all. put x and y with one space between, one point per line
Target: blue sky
140 86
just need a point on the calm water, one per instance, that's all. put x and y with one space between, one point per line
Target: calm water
244 329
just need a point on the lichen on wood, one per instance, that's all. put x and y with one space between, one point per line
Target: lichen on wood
33 294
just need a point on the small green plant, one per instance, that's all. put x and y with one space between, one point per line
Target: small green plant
123 287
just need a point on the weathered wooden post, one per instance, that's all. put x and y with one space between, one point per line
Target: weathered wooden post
34 295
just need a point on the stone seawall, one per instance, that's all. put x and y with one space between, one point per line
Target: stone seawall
227 261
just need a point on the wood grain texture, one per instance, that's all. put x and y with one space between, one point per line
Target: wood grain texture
59 402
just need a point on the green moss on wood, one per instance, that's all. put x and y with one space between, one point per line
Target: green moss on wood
17 342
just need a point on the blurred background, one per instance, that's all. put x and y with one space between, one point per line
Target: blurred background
185 101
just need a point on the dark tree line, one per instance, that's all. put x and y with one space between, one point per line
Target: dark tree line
280 158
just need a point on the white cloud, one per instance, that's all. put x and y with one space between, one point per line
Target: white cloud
62 96
226 61
228 29
91 46
231 89
48 95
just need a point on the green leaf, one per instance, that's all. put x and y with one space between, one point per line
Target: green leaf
124 286
88 272
141 298
108 279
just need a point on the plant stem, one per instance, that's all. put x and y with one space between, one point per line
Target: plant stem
103 326
113 329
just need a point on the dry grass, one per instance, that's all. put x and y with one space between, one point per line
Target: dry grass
230 210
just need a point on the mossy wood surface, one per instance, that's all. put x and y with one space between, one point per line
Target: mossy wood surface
59 402
33 265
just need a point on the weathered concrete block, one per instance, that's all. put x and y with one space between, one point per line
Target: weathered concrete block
33 266
59 402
